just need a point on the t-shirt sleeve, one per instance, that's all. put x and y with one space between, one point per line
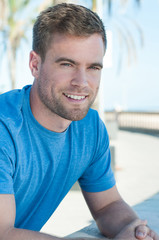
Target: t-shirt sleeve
6 161
99 175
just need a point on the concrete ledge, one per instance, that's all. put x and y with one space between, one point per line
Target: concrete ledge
148 209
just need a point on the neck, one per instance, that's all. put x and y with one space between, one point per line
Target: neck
44 116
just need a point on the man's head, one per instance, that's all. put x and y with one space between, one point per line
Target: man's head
69 19
66 61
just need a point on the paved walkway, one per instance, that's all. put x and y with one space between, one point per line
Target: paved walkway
137 175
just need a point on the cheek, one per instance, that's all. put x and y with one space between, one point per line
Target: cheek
44 83
46 78
94 82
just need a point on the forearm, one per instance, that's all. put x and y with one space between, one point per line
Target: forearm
112 219
22 234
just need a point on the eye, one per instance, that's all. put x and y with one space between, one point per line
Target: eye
97 68
65 64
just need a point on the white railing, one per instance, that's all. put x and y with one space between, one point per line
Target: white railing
134 120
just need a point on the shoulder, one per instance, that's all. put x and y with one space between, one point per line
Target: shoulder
11 103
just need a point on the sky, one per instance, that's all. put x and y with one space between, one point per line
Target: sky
137 86
133 87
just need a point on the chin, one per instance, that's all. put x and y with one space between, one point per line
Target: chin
76 115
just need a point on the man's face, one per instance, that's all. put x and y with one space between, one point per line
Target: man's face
69 77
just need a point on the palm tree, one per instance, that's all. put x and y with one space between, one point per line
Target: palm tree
13 26
2 13
14 23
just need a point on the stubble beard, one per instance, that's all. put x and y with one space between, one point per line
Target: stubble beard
57 107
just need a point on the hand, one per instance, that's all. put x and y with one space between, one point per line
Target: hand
142 231
134 229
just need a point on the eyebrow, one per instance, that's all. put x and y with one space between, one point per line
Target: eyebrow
97 65
61 59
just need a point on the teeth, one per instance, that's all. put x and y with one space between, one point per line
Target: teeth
75 97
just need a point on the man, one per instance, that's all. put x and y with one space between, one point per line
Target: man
50 138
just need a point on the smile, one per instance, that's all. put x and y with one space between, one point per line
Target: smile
76 97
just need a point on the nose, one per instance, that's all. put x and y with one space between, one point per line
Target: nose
80 78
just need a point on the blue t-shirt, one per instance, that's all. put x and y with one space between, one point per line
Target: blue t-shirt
39 166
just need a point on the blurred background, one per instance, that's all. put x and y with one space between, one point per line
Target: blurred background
130 75
128 99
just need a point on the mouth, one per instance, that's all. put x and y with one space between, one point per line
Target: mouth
75 97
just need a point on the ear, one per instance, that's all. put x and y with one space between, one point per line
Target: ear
34 64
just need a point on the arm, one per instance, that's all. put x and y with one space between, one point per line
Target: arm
110 212
7 230
112 215
7 218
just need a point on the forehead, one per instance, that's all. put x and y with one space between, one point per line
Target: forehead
77 46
